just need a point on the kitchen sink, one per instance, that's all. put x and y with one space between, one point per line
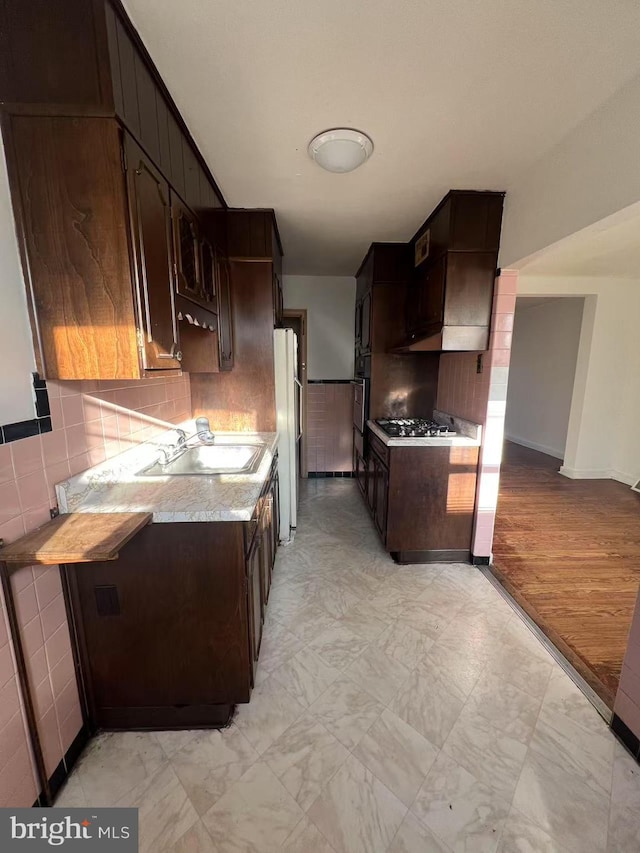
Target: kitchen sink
211 459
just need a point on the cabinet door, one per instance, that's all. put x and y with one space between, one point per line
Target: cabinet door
254 601
209 275
431 296
225 313
187 249
150 222
275 514
365 343
382 487
267 549
372 475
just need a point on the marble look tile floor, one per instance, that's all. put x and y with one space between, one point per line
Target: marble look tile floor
401 709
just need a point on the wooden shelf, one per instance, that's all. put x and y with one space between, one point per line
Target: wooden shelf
76 538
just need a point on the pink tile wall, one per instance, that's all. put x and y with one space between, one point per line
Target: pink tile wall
627 703
92 421
330 427
481 397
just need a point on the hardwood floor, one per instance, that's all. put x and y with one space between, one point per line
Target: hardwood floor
568 551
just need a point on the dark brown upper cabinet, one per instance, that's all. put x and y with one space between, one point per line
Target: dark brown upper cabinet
384 265
94 235
150 222
84 58
252 235
187 251
225 315
209 274
196 266
100 159
450 287
398 385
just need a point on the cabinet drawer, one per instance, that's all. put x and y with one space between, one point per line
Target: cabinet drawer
380 449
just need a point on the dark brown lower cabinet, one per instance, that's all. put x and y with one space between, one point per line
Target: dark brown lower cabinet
168 635
421 499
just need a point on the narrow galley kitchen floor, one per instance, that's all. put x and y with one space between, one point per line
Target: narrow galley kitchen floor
401 709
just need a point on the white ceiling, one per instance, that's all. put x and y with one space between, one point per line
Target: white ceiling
611 250
455 94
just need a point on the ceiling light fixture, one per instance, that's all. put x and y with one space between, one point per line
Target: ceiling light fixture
340 149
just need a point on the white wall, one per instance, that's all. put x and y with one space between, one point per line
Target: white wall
592 173
602 437
16 347
544 351
330 304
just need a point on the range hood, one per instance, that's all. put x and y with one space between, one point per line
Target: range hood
441 338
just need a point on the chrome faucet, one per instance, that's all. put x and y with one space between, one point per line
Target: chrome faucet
168 452
203 431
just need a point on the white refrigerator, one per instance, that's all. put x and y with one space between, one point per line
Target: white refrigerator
289 426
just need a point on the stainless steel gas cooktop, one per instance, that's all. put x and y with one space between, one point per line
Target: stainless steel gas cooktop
413 428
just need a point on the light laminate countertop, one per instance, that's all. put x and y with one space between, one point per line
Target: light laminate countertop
117 486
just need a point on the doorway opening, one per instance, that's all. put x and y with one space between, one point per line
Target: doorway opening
296 319
566 550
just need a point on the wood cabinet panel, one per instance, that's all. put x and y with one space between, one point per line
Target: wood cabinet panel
153 258
225 314
421 499
114 58
191 175
176 637
449 297
175 155
187 254
436 485
147 110
54 54
128 79
360 471
380 509
245 400
426 296
164 142
254 603
68 190
470 282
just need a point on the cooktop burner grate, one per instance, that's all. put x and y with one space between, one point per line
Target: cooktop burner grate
413 428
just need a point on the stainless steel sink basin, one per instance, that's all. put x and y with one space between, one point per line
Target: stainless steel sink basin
211 459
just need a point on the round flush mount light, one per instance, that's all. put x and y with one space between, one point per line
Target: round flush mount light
341 149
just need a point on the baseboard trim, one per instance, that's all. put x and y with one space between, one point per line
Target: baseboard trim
533 445
622 477
444 556
598 474
313 475
480 561
65 766
626 737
